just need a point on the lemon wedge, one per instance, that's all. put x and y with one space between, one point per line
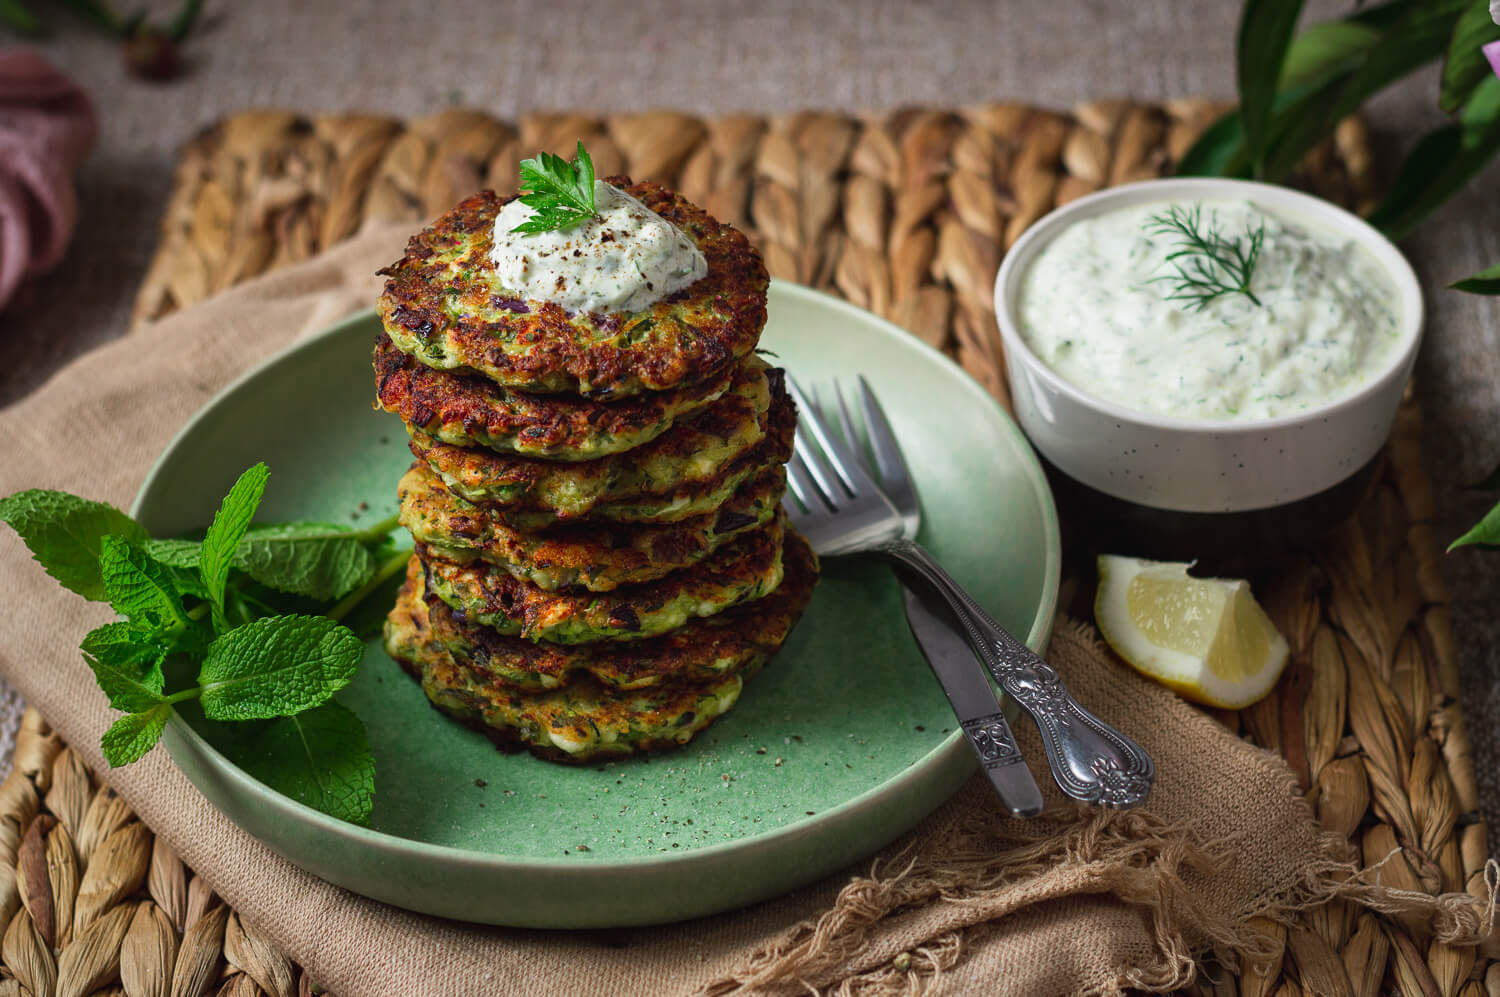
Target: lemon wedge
1206 638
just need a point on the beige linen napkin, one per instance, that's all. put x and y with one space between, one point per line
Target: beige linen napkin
1071 903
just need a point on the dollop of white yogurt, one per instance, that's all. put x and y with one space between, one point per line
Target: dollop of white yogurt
1094 306
623 259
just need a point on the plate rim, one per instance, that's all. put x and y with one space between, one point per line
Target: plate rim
920 768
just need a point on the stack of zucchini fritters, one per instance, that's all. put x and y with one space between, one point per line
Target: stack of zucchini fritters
600 561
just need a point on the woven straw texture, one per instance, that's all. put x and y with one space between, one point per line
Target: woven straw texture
907 215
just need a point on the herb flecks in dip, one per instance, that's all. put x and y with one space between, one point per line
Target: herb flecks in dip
621 259
1094 308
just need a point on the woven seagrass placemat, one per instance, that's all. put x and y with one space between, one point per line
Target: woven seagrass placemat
907 215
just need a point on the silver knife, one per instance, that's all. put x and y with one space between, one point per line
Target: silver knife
969 692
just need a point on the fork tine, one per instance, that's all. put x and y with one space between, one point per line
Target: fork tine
802 486
829 488
846 425
839 455
894 476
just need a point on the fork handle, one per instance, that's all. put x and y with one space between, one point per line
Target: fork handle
1090 760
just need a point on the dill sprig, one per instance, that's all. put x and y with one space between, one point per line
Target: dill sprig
1206 265
561 192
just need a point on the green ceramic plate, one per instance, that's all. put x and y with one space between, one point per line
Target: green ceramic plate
844 742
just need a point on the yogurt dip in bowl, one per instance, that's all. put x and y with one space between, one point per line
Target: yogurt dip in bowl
1207 365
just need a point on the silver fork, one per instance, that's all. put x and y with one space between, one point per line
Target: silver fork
842 511
979 713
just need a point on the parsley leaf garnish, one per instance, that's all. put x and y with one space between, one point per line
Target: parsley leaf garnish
560 192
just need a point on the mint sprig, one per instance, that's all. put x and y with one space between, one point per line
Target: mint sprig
69 529
561 192
317 560
320 757
276 666
223 537
251 608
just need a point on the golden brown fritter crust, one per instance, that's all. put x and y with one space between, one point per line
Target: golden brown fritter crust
469 411
689 500
595 556
586 719
743 570
443 305
696 450
701 649
580 722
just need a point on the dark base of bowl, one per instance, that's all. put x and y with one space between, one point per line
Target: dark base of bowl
1233 544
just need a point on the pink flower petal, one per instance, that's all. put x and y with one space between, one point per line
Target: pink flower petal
1492 53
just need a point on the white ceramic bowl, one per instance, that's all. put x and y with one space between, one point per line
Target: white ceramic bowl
1197 467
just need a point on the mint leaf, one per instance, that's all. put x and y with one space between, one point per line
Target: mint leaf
64 531
321 758
127 664
223 536
277 666
139 588
313 559
322 561
175 553
131 737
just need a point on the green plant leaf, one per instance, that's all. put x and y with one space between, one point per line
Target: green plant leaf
321 758
1265 31
1484 282
317 560
1485 533
277 666
1318 63
223 536
138 588
1414 36
1465 66
1326 50
1221 149
175 553
127 664
1214 152
132 736
63 533
322 561
1441 163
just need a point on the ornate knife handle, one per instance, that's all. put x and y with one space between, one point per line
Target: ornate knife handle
1091 760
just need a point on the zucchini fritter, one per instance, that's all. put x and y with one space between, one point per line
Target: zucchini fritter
595 556
611 711
443 305
741 571
469 411
686 501
696 450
